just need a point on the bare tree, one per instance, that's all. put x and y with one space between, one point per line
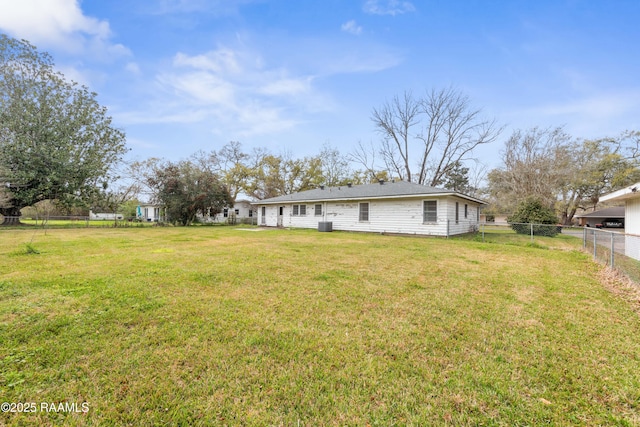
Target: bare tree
536 164
335 166
396 121
365 156
424 138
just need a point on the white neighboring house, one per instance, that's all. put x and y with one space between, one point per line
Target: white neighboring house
105 216
150 213
631 197
241 212
387 207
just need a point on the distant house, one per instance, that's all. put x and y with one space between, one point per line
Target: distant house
105 216
150 213
387 207
242 211
498 219
603 217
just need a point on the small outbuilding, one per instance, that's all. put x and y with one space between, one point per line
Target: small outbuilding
386 207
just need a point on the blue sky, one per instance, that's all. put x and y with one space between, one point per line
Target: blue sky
184 75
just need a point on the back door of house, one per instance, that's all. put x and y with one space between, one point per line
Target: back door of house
280 215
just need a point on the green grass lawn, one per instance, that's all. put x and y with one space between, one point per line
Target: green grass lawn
226 326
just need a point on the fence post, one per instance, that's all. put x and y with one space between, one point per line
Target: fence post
611 261
531 226
595 242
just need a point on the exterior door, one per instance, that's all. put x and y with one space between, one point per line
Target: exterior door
280 215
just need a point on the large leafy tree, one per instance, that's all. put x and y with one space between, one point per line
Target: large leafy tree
186 190
275 175
56 140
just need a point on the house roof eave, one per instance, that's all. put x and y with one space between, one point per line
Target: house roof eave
630 192
399 196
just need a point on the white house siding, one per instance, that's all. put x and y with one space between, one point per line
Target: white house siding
271 217
632 228
463 225
402 215
632 216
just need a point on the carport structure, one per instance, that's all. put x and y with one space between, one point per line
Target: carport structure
595 218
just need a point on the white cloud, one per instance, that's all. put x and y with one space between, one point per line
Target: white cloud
222 61
238 92
133 68
231 91
199 87
286 86
351 27
388 7
215 7
59 24
589 117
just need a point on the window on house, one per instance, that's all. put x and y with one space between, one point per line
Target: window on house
466 211
299 210
457 212
237 211
225 213
318 210
264 215
430 211
364 212
250 213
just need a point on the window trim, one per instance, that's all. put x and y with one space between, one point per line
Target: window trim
317 209
299 210
424 212
360 211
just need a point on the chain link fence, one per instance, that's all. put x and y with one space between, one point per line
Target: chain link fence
615 249
79 221
76 221
618 250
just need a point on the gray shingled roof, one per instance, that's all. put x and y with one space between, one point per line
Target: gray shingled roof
366 191
614 212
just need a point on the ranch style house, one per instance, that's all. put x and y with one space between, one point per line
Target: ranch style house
395 207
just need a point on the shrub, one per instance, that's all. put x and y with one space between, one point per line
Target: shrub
532 211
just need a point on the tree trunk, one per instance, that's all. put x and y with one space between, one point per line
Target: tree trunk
10 216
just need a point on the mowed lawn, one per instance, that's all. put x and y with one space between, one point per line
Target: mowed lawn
225 326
